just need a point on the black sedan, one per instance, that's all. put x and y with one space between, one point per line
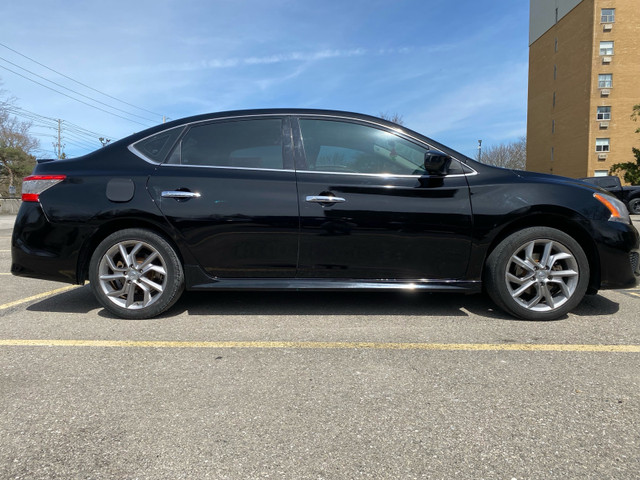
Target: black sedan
313 199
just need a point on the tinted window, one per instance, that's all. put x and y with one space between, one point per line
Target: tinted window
157 146
244 143
332 146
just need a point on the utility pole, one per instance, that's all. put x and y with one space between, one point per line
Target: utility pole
58 146
480 150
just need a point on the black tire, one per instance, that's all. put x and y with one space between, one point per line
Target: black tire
528 284
136 274
634 206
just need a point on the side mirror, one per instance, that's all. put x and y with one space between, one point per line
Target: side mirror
436 162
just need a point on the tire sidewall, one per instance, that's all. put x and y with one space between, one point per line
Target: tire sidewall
175 275
634 206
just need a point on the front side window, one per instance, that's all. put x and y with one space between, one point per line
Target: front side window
604 113
606 48
242 143
602 144
335 146
608 15
605 80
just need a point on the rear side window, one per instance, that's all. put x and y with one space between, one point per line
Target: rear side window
242 143
156 147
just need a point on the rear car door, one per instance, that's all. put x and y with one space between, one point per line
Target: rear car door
368 209
228 188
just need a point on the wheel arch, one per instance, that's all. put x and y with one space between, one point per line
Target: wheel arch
106 229
566 223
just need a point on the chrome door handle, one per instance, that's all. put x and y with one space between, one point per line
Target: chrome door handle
179 194
324 199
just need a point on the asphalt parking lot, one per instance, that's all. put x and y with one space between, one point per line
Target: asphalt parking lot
314 385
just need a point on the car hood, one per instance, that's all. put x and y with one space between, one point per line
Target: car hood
557 179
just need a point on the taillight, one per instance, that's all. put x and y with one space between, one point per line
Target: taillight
34 185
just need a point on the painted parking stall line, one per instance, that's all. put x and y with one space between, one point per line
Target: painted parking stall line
37 297
525 347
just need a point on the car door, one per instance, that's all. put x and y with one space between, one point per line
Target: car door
368 209
229 190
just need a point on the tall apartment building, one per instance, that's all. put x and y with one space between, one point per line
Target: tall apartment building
584 79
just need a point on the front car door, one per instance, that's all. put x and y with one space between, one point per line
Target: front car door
369 210
229 189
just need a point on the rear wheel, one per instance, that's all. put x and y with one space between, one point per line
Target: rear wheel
537 273
136 274
634 206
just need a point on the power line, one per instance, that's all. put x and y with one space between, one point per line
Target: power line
72 134
72 98
75 92
79 83
53 122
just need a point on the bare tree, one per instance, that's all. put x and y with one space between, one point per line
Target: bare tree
392 117
507 155
16 147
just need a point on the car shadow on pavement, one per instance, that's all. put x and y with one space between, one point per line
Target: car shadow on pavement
249 303
78 300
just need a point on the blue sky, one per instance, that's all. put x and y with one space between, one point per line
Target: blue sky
455 71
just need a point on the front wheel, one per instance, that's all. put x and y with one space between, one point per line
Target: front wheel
537 273
136 274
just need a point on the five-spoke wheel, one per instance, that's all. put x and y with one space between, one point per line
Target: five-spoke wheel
136 274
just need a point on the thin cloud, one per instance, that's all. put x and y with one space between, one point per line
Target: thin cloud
292 57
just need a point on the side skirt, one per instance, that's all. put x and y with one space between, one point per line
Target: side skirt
197 280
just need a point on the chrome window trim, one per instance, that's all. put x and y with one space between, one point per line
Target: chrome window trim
300 115
227 167
131 147
388 175
141 155
380 175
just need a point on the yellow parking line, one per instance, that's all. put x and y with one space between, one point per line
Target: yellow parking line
5 274
528 347
37 297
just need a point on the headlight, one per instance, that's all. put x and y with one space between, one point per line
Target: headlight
619 212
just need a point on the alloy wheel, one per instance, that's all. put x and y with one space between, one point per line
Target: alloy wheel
542 275
132 274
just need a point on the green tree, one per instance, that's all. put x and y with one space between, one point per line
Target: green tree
16 147
630 170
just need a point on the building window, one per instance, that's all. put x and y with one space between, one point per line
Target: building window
602 144
553 126
556 15
555 72
608 15
555 45
601 173
554 99
605 80
604 113
552 152
606 48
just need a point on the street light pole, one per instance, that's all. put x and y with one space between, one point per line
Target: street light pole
479 150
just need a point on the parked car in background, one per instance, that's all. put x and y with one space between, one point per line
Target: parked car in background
630 195
314 199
